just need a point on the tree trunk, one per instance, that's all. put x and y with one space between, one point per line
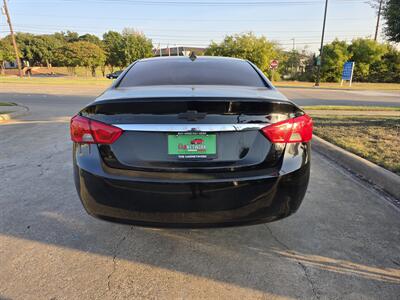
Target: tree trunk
48 65
93 71
3 69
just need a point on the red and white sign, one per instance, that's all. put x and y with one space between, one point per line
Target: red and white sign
273 64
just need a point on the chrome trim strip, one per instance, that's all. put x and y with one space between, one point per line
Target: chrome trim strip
190 127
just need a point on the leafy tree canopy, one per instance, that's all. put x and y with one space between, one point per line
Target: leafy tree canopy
81 53
334 57
135 46
258 50
113 45
365 52
94 39
6 51
391 13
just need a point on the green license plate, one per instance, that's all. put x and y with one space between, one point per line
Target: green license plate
192 145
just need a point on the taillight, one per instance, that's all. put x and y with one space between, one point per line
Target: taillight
293 130
87 131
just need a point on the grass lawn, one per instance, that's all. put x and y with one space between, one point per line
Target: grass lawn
51 81
351 108
335 85
373 138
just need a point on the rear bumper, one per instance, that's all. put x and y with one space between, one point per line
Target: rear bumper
200 201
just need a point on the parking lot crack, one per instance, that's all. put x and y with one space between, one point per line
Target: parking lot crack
7 166
302 266
114 260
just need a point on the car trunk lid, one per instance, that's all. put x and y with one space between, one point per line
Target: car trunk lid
160 132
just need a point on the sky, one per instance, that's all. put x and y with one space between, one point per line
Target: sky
196 22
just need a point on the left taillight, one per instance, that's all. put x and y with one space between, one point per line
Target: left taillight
87 131
295 130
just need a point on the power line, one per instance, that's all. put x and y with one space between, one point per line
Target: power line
205 43
214 3
191 31
198 37
205 20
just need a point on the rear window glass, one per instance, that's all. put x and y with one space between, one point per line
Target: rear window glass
186 72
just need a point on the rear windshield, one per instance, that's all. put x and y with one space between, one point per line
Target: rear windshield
186 72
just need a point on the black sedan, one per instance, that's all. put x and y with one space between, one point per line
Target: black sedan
191 142
114 75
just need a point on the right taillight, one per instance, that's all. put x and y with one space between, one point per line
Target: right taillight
295 130
87 131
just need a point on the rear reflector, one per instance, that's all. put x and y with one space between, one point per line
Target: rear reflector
295 130
87 131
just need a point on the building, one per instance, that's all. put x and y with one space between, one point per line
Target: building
182 50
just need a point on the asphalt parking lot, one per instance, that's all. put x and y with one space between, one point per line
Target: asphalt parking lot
344 242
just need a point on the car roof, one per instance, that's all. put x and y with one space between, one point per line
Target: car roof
184 58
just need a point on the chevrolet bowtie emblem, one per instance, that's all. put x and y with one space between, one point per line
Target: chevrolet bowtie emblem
192 115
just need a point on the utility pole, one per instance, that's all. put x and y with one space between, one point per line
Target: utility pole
321 50
377 21
293 56
13 38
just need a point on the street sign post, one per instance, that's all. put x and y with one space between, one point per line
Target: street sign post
273 64
347 73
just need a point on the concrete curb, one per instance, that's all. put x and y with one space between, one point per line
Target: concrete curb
386 180
21 111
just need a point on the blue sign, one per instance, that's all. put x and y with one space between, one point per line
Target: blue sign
347 73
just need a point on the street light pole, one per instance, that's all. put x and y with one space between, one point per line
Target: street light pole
321 50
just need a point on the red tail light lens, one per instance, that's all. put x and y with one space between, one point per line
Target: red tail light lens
294 130
87 131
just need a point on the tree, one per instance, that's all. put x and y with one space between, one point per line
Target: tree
391 13
387 69
335 55
136 46
123 49
6 53
94 39
82 53
67 37
43 48
25 43
258 50
37 49
113 46
365 52
290 63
